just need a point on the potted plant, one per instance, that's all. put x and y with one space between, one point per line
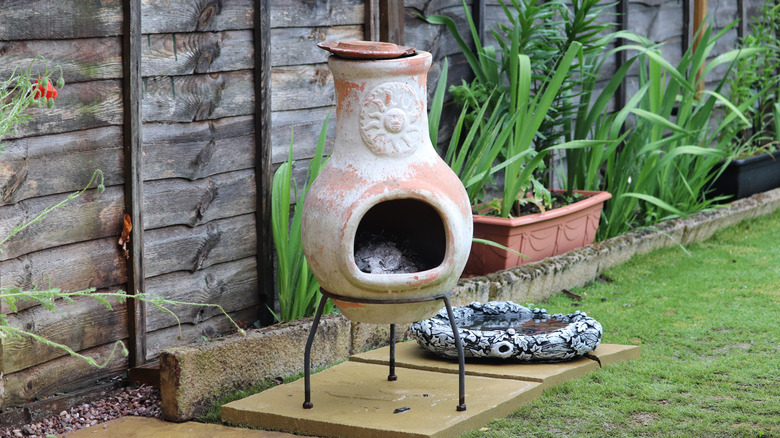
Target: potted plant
514 114
756 165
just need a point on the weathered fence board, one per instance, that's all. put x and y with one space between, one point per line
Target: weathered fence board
64 163
182 248
304 126
233 285
51 20
199 149
659 20
298 45
160 340
197 97
164 16
205 52
299 87
307 13
84 59
429 7
182 202
96 263
83 324
90 216
60 375
434 38
80 106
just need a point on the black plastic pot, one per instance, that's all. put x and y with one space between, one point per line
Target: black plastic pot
748 176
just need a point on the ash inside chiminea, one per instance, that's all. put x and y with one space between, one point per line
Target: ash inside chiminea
381 254
399 237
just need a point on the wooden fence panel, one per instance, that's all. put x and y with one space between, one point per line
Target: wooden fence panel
165 16
230 284
83 105
191 203
61 19
201 331
198 149
197 97
199 155
63 163
326 13
173 54
298 45
96 263
183 248
83 324
77 57
89 217
301 86
61 375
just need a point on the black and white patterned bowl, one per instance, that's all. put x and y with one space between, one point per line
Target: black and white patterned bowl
511 335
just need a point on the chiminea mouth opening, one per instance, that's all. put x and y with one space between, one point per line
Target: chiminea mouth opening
400 236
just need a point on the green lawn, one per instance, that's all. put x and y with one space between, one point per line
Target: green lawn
709 326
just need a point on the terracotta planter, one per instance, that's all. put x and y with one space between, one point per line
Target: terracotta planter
537 236
748 176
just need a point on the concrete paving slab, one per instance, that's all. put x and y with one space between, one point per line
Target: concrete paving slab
411 355
355 399
608 354
142 427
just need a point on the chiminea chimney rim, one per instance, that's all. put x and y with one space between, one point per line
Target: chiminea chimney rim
366 50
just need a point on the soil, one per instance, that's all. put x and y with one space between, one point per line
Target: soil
141 401
558 200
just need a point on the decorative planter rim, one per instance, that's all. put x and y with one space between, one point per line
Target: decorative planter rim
581 336
594 197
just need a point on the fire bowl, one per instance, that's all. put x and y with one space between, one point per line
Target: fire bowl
505 330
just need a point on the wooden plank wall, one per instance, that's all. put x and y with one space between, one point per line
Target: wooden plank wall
197 108
198 166
75 248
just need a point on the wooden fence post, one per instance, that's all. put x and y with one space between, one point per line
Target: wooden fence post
263 163
371 22
621 56
391 18
742 27
133 184
685 41
699 21
478 15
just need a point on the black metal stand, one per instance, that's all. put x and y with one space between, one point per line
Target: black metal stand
307 404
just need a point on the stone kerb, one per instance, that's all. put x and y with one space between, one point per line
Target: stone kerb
193 376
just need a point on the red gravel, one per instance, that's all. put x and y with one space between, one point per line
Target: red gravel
142 401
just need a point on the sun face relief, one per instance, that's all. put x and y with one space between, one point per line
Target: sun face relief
390 119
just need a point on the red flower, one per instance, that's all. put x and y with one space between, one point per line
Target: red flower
40 91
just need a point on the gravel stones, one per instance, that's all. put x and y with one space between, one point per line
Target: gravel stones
141 401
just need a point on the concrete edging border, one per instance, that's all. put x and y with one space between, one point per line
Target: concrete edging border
192 377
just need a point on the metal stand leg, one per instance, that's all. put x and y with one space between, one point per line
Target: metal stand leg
392 377
461 358
307 355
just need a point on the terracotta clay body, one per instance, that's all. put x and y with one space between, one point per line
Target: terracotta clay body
384 180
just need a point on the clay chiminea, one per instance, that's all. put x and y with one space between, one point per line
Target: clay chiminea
387 225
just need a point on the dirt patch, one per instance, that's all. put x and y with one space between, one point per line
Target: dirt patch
643 418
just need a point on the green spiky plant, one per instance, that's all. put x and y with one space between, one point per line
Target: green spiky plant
299 291
668 149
